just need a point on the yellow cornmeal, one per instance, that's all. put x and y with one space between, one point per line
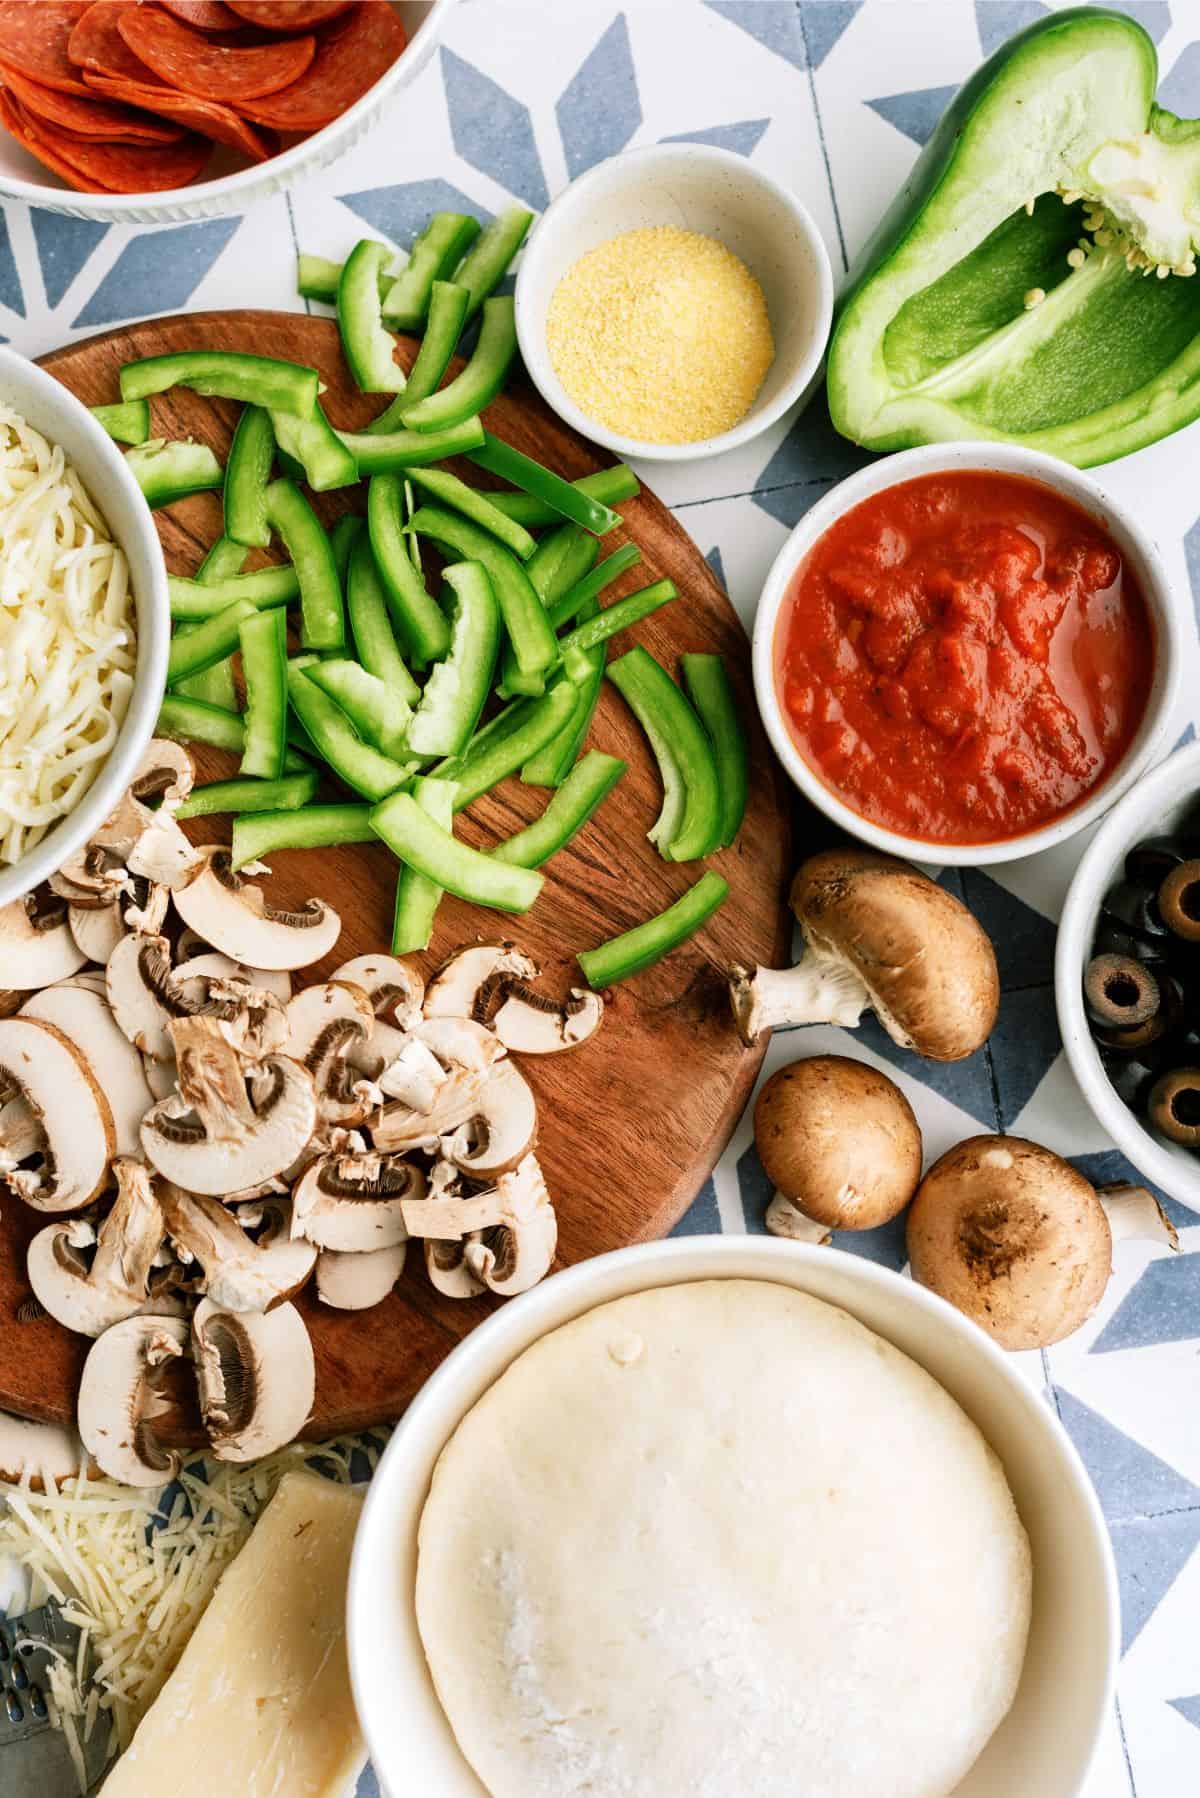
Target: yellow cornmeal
661 334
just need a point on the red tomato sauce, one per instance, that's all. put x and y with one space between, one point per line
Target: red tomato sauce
964 657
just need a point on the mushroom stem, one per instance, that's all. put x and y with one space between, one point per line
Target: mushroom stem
450 1219
1133 1211
820 989
786 1219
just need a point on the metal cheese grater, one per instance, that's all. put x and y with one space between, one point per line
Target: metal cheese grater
34 1760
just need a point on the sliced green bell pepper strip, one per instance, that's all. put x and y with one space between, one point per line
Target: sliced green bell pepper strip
418 897
619 617
367 344
203 598
448 490
533 643
486 262
585 788
287 793
423 626
335 739
610 486
313 446
317 277
374 639
168 471
502 752
379 714
187 720
247 474
647 943
970 317
210 642
263 638
411 834
567 606
480 381
689 825
555 759
256 834
322 623
342 538
128 422
563 557
457 688
550 488
709 689
214 685
443 328
435 254
389 451
264 381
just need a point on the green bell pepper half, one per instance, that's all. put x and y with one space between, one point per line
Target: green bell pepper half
647 943
322 624
247 474
436 253
418 897
287 793
411 834
975 312
263 637
689 824
167 471
264 381
585 788
457 688
256 834
367 344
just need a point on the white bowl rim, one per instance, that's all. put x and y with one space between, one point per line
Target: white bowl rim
905 465
240 183
150 673
536 357
491 1344
1172 779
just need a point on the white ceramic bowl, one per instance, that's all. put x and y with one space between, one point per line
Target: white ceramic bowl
1046 1743
719 194
233 187
63 419
1158 804
1135 545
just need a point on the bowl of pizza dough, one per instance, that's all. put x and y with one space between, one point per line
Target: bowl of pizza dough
729 1514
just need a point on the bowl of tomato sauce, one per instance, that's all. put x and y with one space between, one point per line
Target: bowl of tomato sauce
966 652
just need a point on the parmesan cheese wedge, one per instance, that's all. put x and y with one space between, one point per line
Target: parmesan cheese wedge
260 1702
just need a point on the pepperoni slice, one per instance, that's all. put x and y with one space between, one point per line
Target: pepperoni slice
96 44
285 15
33 40
350 58
204 15
219 122
206 66
91 117
105 168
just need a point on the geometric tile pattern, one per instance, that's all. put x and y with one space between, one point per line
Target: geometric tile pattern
833 98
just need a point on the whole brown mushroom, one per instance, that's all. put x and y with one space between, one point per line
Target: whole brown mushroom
839 1142
878 935
1016 1238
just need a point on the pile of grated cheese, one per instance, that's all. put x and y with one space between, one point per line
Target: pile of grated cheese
67 637
134 1571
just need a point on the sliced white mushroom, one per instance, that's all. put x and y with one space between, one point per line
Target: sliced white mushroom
394 987
240 1272
257 1378
35 1453
214 1136
413 1075
325 1023
356 1202
96 930
88 1294
531 1024
236 918
21 1133
453 1216
123 1395
356 1282
214 966
459 1042
160 1078
86 1019
40 1065
36 945
475 979
165 772
143 993
399 1126
446 1267
518 1251
501 1130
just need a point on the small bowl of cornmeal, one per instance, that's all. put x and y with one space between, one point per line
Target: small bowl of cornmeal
674 302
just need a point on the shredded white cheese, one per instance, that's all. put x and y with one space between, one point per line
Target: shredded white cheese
135 1570
67 637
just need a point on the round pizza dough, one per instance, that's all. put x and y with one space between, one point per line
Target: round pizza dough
719 1538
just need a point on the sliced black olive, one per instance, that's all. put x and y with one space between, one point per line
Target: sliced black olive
1179 901
1135 910
1148 863
1114 939
1174 1106
1119 992
1130 1080
1137 1040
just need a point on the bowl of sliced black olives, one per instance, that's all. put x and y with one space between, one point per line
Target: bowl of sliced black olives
1127 975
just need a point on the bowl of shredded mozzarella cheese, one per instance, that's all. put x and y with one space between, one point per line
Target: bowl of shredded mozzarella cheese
84 625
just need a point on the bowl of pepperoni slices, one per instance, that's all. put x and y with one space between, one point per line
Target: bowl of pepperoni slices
146 111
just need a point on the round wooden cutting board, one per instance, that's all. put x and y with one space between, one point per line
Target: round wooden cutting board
630 1124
